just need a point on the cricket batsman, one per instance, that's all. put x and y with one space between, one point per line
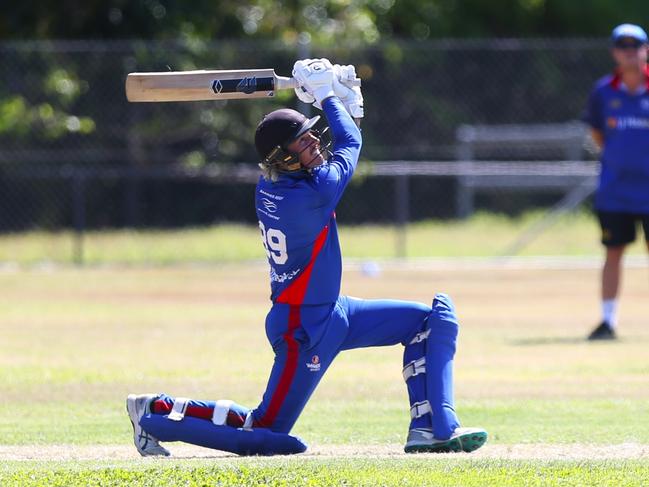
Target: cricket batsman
309 322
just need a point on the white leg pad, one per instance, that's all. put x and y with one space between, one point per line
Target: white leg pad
220 415
414 368
178 410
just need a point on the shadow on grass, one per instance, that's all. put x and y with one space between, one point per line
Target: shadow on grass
526 342
572 340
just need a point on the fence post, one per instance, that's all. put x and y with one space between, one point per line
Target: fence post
132 197
401 205
78 180
464 197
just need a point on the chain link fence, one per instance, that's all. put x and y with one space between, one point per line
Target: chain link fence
451 127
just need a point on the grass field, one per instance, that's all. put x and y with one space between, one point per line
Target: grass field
574 234
560 411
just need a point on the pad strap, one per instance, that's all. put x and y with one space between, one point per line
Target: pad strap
221 409
414 368
247 424
178 410
418 409
420 337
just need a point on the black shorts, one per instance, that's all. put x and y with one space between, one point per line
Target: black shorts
619 228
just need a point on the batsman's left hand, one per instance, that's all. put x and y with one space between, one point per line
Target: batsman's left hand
315 77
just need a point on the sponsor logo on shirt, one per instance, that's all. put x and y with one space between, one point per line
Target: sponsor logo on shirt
314 365
283 277
268 214
271 195
623 123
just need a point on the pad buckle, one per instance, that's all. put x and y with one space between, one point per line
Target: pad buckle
414 368
179 408
221 409
418 409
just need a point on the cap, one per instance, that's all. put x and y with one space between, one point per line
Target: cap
280 128
629 30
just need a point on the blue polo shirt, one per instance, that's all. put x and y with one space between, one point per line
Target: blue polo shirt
298 223
623 118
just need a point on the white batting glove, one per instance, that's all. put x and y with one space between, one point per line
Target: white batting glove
351 96
346 74
306 97
315 77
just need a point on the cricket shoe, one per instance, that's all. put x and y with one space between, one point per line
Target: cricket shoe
421 440
146 444
603 332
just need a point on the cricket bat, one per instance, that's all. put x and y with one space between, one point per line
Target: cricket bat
207 85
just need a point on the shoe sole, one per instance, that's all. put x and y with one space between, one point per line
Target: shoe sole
467 442
131 410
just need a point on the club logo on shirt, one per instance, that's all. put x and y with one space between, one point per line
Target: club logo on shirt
615 103
314 365
270 206
644 104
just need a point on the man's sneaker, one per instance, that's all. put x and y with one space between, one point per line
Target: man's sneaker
421 440
138 406
603 332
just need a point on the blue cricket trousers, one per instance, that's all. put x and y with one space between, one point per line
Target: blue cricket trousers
306 339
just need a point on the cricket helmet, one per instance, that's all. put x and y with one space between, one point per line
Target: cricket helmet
276 131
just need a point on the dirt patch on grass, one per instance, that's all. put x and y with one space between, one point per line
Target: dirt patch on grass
504 452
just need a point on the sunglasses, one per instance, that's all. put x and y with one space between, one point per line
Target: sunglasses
628 44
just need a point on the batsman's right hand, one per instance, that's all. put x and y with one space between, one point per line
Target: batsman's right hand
315 77
349 94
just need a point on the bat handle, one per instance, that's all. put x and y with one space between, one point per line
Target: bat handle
284 83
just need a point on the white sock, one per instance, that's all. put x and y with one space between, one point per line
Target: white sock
609 311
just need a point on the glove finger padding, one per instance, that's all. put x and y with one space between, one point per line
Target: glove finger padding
305 97
346 74
351 96
315 76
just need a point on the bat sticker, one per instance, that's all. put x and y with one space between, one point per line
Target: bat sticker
246 85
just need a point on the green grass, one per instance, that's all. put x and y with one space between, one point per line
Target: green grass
367 472
509 422
483 235
75 342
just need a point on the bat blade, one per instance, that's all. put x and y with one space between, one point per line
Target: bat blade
204 85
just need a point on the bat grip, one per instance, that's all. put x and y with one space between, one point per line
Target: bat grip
284 83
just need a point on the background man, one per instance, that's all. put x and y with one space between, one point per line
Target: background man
618 113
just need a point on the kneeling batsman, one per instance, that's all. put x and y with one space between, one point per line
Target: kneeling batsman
310 322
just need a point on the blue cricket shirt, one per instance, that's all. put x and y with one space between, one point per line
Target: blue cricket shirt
623 118
298 223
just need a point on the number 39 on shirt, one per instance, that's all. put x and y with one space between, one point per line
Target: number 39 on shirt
274 243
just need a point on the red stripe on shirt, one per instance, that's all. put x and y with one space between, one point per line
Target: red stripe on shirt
295 292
